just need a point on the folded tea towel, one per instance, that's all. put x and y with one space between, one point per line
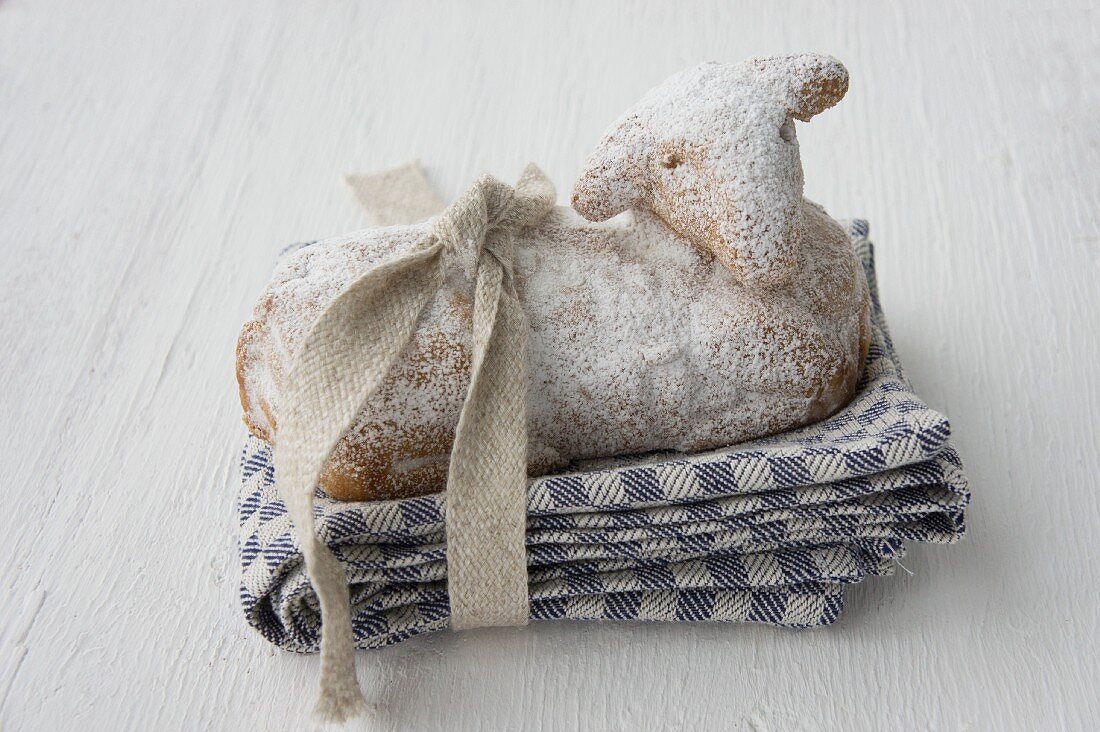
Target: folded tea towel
769 531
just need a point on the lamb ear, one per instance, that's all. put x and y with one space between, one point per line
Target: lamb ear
810 83
612 178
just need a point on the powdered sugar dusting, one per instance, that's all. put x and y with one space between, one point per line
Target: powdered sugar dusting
724 307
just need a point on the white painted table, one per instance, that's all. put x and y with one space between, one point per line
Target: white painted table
153 159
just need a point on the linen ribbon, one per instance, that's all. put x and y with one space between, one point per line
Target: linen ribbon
342 361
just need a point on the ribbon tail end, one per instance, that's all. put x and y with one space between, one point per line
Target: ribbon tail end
336 706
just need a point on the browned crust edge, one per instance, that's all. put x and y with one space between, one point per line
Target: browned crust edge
250 331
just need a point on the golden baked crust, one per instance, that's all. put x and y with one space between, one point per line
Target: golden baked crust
726 307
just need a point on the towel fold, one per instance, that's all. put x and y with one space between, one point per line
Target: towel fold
769 531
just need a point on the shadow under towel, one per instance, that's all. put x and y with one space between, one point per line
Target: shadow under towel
769 531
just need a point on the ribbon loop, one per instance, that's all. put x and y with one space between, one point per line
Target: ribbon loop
343 359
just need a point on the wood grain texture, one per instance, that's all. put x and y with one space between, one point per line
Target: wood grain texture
153 158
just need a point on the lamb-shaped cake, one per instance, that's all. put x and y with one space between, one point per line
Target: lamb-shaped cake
721 306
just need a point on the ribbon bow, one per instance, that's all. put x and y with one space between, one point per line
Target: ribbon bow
342 361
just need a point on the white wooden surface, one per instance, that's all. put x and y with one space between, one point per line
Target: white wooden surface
154 156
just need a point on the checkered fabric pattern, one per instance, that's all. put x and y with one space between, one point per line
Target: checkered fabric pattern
770 531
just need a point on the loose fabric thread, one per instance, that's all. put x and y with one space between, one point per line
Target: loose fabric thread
343 360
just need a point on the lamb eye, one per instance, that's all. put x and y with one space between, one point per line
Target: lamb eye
786 131
670 161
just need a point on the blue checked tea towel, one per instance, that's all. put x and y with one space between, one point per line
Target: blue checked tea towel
770 531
